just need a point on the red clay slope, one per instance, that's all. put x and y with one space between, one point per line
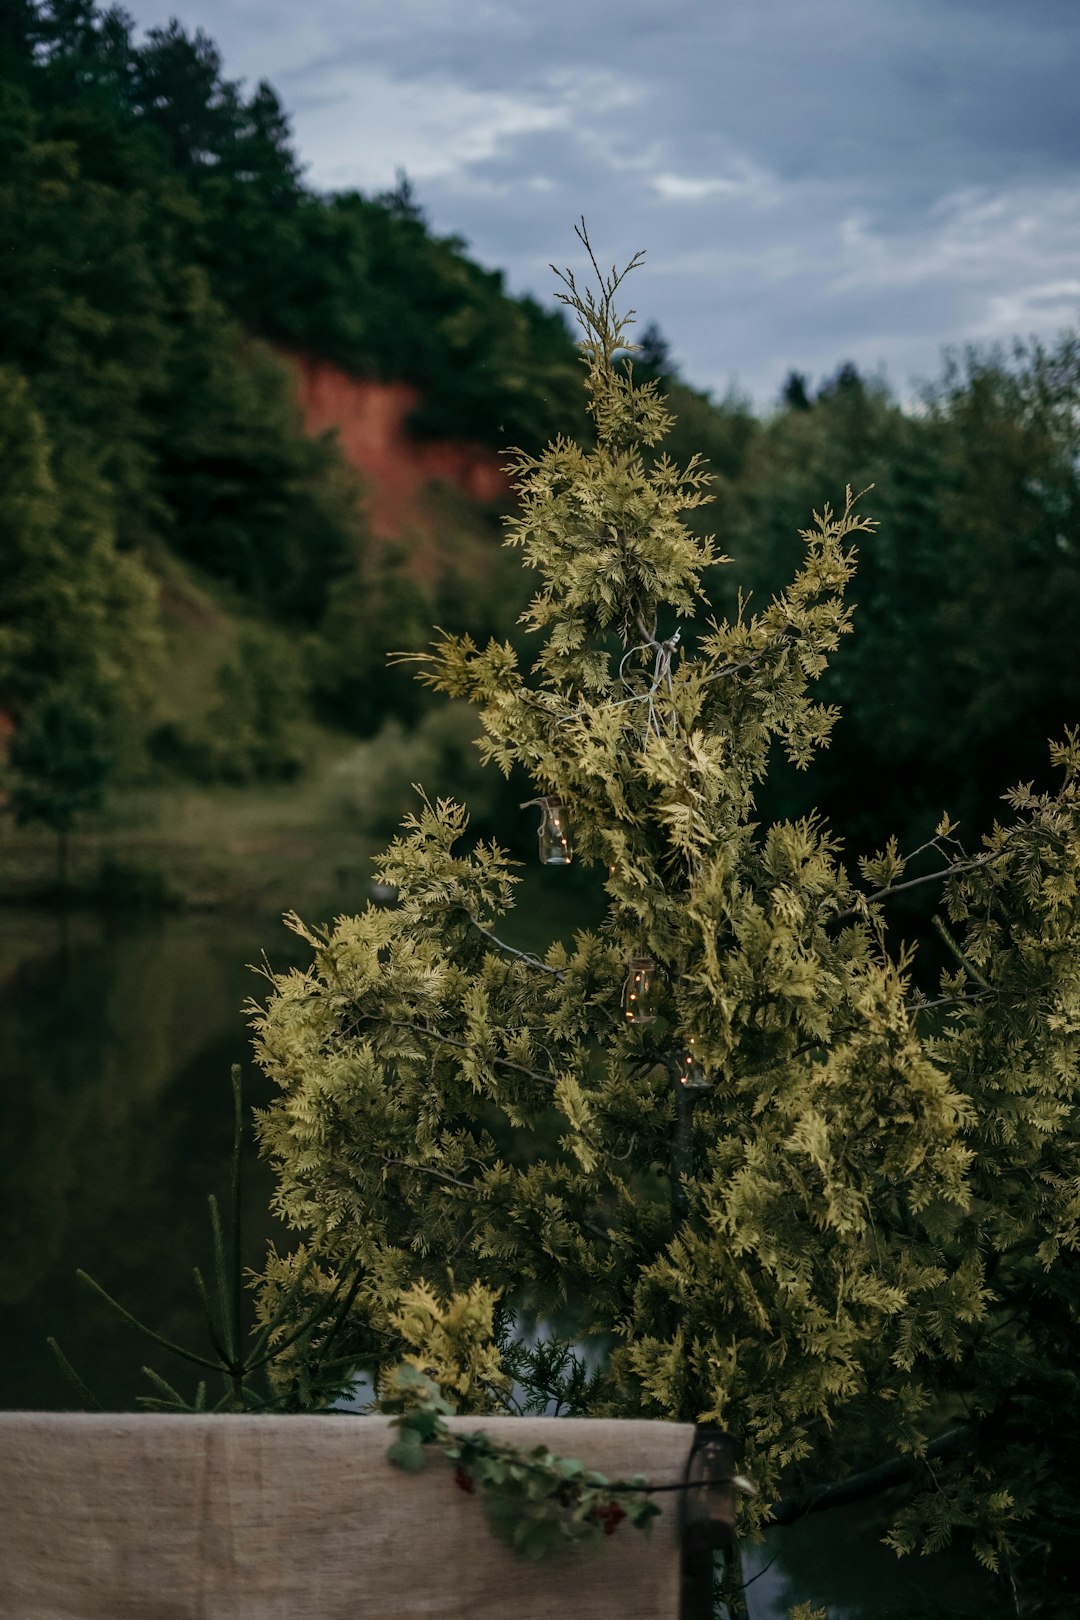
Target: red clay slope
370 419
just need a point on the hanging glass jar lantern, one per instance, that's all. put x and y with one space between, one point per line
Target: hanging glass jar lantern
688 1069
556 848
639 991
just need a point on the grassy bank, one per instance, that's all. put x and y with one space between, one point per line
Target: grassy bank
265 848
306 845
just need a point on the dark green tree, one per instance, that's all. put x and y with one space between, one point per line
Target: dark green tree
76 612
795 394
59 765
966 598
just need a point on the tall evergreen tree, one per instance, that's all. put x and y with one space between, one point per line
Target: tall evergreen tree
789 1193
59 765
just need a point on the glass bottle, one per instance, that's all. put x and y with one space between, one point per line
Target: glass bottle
639 991
556 848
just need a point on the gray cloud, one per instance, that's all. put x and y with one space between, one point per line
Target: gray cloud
863 178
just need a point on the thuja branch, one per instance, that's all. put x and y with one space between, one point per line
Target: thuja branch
463 1046
871 1481
427 1170
512 950
474 1188
973 972
959 1000
956 869
530 960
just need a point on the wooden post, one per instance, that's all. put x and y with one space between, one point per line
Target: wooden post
708 1518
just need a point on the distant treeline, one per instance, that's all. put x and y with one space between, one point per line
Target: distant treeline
965 652
157 238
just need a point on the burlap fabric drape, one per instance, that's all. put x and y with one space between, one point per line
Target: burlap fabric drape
302 1518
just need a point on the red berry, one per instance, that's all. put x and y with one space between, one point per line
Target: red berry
613 1516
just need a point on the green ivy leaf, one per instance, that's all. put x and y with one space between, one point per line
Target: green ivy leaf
407 1452
538 1538
502 1517
425 1423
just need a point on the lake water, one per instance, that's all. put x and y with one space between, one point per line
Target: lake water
116 1041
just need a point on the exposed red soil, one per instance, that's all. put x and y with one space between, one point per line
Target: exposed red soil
371 422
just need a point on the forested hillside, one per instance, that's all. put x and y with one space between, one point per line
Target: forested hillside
207 545
166 278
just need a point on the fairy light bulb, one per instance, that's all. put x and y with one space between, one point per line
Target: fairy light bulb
639 991
556 847
688 1069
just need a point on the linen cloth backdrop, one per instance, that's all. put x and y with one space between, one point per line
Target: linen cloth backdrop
166 1517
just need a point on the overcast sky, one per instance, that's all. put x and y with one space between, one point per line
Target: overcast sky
812 180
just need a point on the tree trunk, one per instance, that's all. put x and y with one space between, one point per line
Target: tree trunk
62 861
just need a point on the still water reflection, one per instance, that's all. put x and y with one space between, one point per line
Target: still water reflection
116 1039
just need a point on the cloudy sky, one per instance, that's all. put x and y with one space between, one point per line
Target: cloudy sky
812 180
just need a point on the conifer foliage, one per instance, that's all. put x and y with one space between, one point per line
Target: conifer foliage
858 1233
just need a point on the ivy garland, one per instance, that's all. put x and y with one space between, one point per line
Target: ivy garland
533 1501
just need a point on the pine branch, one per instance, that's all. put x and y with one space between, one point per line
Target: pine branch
158 1338
309 1322
220 1348
172 1396
227 1348
73 1378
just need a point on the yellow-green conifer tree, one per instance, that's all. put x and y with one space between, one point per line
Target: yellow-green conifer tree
800 1198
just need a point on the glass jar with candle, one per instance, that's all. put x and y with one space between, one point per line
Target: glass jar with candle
688 1069
639 991
556 848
